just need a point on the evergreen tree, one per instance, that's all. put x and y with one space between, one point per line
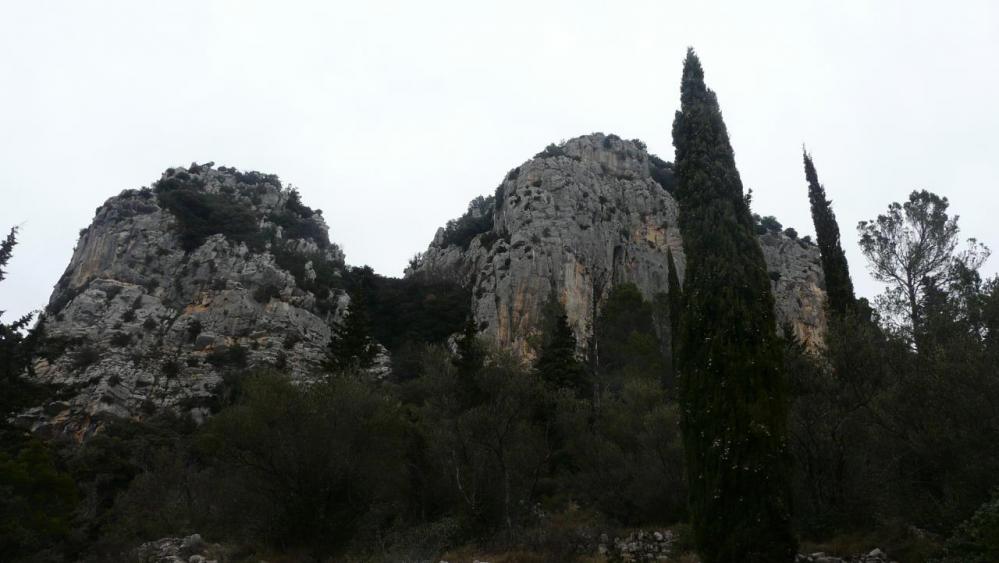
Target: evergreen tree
557 364
351 346
729 357
469 361
839 286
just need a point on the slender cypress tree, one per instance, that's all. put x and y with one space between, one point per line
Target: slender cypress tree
839 286
557 363
729 357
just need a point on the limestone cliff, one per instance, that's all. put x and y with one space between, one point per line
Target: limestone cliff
170 288
574 221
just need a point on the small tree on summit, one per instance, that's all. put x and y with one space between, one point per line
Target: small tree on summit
839 286
733 391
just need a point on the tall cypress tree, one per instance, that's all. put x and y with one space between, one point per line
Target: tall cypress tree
839 286
729 358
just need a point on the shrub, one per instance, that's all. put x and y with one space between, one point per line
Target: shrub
769 224
232 357
662 172
552 151
84 356
36 508
977 539
200 214
149 323
120 339
477 220
265 293
320 465
170 368
193 329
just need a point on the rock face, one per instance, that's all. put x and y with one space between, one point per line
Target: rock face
578 219
154 311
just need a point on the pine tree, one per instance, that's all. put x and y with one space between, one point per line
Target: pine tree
15 345
729 358
839 286
557 364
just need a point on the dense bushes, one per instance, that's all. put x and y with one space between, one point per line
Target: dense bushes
319 466
414 309
477 220
36 501
200 214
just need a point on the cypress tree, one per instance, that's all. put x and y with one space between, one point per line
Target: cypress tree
839 286
557 364
675 294
351 346
729 357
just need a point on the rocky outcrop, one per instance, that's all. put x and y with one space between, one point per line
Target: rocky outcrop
189 549
578 219
873 556
171 289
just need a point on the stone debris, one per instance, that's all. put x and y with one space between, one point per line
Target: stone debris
638 546
190 549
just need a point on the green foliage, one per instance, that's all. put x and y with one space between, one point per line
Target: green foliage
351 347
913 247
768 224
265 293
662 172
200 214
729 359
839 286
551 151
412 309
557 364
977 539
16 342
36 501
488 448
626 457
627 343
318 465
477 220
296 221
228 357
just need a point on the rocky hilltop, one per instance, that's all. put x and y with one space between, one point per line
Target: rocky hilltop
212 271
172 286
579 218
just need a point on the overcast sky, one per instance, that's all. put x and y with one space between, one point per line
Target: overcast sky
391 116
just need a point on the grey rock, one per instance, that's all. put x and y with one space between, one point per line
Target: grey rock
576 225
141 321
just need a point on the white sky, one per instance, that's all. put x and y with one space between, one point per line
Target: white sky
391 116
